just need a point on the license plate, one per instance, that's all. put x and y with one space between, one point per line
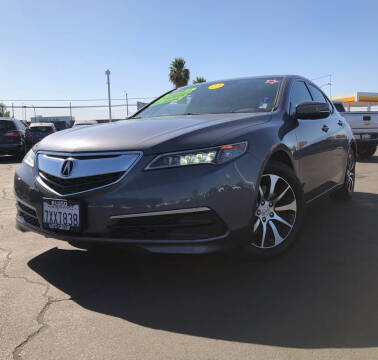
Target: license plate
61 215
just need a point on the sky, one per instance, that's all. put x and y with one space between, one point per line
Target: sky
54 49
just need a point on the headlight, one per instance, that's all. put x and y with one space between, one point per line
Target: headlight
29 158
216 155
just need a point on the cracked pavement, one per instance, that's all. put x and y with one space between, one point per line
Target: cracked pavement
317 301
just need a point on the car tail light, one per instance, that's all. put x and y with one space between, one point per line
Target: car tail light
13 133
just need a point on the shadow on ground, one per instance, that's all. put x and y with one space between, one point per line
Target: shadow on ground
321 294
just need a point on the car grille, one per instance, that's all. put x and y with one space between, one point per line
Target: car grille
75 185
87 171
193 226
28 214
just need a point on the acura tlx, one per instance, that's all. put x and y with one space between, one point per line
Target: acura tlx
206 167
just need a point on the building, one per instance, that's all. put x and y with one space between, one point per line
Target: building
359 99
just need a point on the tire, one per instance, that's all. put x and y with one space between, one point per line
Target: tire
366 151
280 209
347 190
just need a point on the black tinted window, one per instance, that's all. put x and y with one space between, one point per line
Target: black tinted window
317 94
299 93
339 107
6 125
42 129
60 125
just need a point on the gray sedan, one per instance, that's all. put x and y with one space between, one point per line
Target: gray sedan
211 166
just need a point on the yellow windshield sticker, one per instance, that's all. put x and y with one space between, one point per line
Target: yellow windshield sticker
216 86
174 96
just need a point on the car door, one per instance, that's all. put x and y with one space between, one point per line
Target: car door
314 150
336 139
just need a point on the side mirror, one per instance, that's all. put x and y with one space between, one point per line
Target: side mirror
311 110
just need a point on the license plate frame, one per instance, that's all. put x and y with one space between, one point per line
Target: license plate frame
59 222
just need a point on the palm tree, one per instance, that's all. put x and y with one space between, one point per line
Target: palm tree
3 111
178 73
199 79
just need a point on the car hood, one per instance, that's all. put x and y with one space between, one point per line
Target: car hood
151 135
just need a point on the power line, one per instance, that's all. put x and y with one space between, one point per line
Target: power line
68 107
68 100
321 77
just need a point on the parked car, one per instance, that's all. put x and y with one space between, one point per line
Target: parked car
364 125
12 137
38 131
205 167
84 123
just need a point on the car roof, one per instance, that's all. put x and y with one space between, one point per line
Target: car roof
83 122
41 124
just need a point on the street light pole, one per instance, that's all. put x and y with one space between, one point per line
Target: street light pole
127 105
107 73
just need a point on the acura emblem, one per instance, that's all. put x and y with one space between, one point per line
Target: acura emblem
67 167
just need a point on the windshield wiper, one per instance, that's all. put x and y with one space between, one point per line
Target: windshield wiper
190 113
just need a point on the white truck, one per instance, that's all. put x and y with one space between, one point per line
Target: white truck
364 125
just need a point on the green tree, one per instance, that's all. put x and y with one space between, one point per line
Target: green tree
199 79
178 74
3 111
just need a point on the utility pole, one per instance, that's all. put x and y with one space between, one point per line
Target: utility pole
70 111
127 105
107 73
12 110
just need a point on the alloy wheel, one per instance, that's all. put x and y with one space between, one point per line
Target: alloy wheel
276 212
350 173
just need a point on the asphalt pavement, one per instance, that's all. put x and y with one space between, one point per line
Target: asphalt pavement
317 301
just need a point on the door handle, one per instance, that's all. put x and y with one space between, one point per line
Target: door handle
325 128
340 123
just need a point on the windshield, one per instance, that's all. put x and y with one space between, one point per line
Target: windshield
230 96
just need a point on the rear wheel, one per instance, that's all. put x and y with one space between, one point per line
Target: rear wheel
366 151
278 214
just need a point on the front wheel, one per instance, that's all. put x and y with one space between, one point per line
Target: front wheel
278 214
347 190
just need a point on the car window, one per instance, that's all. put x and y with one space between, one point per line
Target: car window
299 93
6 126
339 106
20 125
320 97
317 94
230 96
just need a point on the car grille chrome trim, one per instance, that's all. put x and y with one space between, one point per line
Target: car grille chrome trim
88 168
167 212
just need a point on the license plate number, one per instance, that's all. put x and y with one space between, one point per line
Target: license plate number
61 215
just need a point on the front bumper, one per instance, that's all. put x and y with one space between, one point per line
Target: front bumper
228 191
